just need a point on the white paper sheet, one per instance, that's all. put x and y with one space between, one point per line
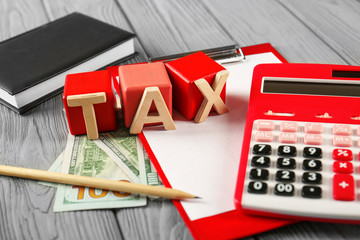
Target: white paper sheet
203 159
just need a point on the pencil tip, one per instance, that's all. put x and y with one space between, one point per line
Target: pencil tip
196 197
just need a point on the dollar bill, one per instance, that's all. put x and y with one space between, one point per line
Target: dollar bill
152 176
127 151
122 147
83 157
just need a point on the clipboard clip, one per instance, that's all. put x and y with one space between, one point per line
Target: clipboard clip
226 54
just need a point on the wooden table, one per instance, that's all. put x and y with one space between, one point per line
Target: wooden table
302 31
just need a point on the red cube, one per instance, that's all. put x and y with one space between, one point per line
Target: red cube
183 73
85 83
135 78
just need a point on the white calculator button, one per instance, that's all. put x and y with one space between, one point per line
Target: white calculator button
288 127
265 125
342 141
343 187
313 139
262 136
287 137
313 128
339 129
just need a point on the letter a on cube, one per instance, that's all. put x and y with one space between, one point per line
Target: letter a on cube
134 79
142 116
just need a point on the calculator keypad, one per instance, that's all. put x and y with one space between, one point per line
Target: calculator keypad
310 163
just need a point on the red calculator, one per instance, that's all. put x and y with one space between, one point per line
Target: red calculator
301 149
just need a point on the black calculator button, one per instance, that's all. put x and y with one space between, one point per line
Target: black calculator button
312 164
287 150
257 187
311 192
260 161
284 189
259 174
312 152
286 163
311 177
262 149
285 176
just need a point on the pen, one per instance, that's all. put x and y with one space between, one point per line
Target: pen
99 183
225 54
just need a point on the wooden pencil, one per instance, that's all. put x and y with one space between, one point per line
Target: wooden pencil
99 183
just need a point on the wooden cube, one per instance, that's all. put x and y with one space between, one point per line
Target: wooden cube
92 85
134 79
183 73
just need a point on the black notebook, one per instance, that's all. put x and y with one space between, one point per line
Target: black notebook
33 65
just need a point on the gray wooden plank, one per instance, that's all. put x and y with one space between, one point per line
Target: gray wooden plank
253 22
163 27
17 17
168 225
336 22
167 27
34 140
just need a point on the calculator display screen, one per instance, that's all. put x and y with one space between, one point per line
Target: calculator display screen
311 87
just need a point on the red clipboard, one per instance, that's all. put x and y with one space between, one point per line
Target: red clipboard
231 224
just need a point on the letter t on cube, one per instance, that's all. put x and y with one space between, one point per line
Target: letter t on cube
89 103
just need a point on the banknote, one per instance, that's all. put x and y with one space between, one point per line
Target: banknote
127 151
122 147
83 157
152 176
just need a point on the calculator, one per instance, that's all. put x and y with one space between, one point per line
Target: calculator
301 148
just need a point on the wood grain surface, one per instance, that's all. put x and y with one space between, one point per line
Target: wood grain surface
312 31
